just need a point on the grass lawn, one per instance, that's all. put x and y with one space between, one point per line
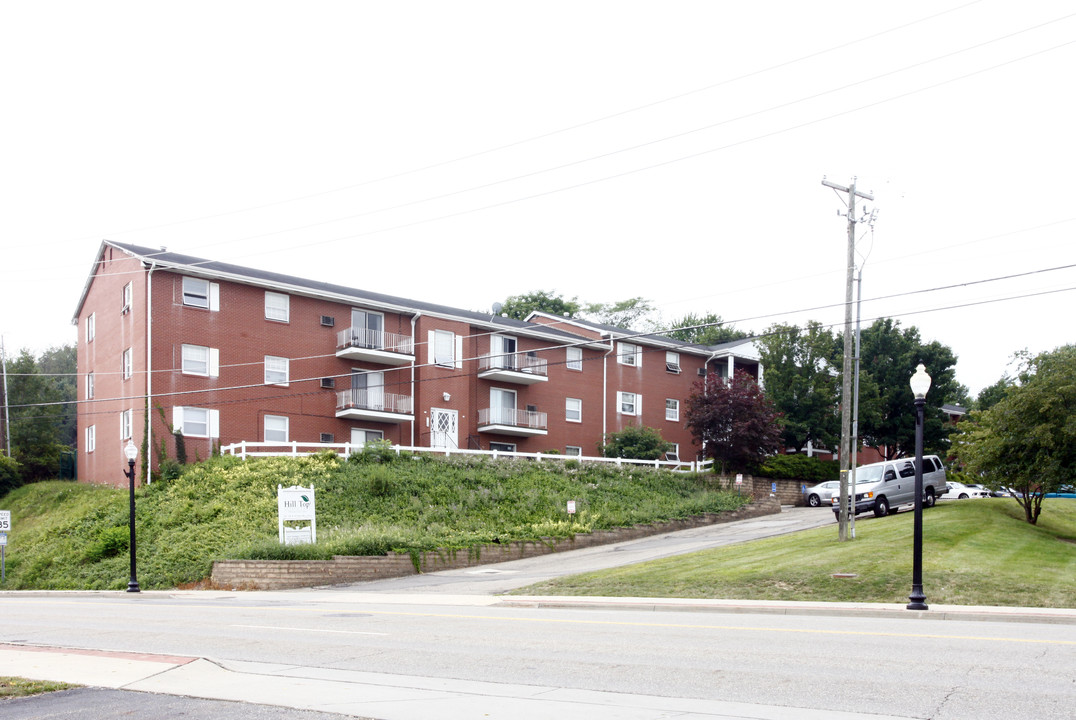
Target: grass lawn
975 552
11 687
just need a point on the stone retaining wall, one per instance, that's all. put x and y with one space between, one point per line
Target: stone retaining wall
284 574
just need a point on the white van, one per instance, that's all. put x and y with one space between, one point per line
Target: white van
883 486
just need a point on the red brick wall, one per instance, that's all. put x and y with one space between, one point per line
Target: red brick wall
114 332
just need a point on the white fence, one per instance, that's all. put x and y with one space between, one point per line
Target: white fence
296 449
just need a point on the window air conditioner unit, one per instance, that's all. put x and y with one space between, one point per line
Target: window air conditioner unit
327 438
328 382
702 372
328 321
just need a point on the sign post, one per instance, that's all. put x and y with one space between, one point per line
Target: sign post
296 503
5 525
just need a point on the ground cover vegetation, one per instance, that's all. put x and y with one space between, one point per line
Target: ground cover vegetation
975 552
13 687
73 536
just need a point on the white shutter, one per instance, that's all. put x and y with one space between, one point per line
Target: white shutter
214 362
177 419
431 347
639 405
214 296
459 351
214 423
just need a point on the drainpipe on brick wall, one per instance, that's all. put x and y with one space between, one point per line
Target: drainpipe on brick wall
414 400
605 386
149 372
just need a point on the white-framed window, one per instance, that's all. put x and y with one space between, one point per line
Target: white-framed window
672 362
573 451
629 403
276 428
128 368
629 354
125 425
198 360
89 386
276 370
361 436
672 409
502 447
446 348
125 298
201 293
575 359
573 409
196 422
277 307
91 327
91 438
674 453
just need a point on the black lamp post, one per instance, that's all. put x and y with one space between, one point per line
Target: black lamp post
920 385
132 452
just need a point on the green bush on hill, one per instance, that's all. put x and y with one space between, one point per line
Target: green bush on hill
800 467
73 536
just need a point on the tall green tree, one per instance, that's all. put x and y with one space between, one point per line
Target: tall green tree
707 329
59 365
993 394
802 382
1027 439
37 418
635 313
734 421
888 358
547 301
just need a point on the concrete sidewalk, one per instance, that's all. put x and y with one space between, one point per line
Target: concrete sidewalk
353 693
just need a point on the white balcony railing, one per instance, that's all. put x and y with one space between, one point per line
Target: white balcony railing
515 362
512 418
357 337
373 399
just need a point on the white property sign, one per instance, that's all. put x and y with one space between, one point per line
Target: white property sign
293 504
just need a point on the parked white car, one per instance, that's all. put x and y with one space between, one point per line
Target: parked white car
960 491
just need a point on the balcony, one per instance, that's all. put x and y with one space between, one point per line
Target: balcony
518 368
373 404
509 421
375 346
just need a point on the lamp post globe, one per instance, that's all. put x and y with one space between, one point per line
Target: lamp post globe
920 383
131 452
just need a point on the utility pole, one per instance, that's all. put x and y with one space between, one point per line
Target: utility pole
846 380
7 417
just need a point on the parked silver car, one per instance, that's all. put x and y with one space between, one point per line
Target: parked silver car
820 494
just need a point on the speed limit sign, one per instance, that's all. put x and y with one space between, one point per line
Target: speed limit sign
5 520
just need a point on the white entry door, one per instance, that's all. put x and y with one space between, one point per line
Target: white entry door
444 428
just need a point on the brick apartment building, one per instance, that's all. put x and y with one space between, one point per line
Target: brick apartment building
226 353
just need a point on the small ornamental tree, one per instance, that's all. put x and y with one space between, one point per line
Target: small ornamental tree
734 421
1027 439
636 442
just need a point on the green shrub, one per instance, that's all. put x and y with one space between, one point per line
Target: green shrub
110 542
800 467
379 481
374 451
10 474
636 442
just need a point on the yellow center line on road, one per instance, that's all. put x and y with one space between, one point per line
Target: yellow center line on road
361 610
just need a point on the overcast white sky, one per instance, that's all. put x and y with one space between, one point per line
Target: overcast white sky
463 152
